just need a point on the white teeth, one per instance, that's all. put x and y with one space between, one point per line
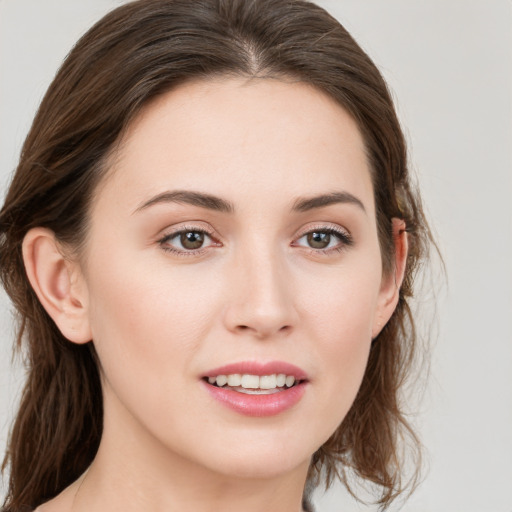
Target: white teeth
234 380
221 380
250 381
247 381
258 391
268 382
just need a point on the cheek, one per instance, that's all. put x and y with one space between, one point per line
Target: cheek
339 318
147 323
147 330
344 303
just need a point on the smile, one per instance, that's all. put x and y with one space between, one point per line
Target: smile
252 390
254 384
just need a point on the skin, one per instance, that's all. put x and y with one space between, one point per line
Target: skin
256 290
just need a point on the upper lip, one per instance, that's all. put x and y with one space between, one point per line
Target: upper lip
258 368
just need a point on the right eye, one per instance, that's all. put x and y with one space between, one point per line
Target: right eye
186 241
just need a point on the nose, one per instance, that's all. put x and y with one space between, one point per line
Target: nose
261 297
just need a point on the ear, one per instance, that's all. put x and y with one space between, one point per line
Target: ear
391 283
58 284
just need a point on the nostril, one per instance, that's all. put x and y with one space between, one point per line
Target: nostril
263 332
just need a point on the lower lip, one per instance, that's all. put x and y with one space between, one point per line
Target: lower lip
258 405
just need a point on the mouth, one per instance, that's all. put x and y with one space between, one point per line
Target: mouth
255 389
254 384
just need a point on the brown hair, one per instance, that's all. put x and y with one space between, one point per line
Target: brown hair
139 51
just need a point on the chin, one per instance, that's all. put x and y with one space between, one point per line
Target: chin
261 468
260 457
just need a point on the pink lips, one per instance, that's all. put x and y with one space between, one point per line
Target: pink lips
258 405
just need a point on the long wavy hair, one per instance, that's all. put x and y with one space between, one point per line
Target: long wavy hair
135 53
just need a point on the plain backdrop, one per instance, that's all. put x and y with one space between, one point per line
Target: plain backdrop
449 65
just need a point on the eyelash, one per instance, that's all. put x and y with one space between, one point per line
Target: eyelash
345 241
163 242
344 237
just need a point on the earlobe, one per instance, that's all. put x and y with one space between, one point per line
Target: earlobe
390 288
57 283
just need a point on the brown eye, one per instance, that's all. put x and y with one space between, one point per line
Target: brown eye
318 239
192 240
186 241
325 240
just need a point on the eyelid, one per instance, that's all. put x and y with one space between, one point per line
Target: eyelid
343 234
185 227
323 226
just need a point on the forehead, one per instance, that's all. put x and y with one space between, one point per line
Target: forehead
242 136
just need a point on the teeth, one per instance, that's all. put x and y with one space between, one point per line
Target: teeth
250 381
247 381
268 382
290 381
235 380
222 380
258 391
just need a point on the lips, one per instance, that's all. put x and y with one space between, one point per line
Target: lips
256 389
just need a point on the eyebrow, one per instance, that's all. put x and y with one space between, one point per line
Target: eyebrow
187 197
211 202
306 204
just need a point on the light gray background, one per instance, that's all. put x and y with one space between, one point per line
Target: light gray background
449 64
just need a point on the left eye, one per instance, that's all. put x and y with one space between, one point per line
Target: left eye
189 240
323 239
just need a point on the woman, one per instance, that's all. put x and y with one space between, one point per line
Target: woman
211 240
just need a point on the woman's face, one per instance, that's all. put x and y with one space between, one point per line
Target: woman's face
236 227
